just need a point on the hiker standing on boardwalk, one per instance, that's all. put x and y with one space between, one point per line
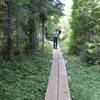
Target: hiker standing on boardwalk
55 38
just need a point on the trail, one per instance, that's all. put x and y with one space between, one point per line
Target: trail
58 88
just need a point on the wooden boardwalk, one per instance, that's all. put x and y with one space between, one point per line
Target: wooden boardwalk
58 88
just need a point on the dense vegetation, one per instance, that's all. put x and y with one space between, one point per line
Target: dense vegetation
81 49
23 23
85 36
24 59
83 80
25 77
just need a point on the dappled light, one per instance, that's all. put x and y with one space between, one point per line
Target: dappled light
49 49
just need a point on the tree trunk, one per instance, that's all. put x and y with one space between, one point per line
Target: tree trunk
30 33
34 34
43 35
17 34
9 32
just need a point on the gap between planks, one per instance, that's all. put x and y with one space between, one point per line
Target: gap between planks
58 88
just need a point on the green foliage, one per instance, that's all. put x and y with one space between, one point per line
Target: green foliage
22 24
83 80
84 61
93 51
86 27
51 25
25 77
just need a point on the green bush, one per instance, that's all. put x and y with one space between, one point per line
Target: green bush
85 29
25 77
93 53
83 80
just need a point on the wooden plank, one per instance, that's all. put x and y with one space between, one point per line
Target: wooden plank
64 93
51 93
58 88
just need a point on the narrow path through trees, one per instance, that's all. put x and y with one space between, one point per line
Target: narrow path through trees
58 88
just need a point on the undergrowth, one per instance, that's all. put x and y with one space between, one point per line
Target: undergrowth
25 77
84 79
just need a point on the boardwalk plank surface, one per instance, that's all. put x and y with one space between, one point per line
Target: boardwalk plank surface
58 88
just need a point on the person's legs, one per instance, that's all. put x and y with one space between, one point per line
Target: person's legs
56 42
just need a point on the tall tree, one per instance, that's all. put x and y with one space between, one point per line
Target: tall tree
85 18
9 30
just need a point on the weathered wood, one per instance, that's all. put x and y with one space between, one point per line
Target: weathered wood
51 93
64 93
58 88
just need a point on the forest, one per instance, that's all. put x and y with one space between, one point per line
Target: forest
24 58
85 38
23 22
81 48
26 28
